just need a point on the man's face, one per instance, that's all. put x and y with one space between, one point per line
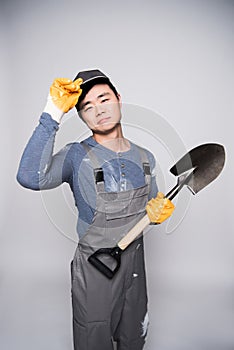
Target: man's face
101 109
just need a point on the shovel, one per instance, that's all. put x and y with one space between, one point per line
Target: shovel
196 169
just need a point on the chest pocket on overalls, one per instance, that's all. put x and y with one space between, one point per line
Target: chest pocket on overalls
126 204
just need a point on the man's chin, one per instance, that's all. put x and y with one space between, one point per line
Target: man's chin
106 129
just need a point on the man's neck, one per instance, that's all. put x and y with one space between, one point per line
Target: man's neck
114 140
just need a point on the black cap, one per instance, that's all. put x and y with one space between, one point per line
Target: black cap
91 78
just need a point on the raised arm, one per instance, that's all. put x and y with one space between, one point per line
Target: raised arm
38 168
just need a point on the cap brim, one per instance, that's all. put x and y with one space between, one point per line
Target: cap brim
93 81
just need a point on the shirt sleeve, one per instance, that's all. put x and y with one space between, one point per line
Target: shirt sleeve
39 169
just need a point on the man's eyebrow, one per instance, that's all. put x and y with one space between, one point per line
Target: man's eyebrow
85 104
98 97
103 94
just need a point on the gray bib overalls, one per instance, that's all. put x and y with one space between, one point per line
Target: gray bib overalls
105 310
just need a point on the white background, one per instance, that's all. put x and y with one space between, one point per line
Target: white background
174 58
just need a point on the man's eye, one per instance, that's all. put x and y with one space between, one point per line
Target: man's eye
105 100
88 109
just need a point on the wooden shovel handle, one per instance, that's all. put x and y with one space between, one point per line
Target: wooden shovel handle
145 221
134 232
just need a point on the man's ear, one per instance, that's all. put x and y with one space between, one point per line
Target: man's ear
120 99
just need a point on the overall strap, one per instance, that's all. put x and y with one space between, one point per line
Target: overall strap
97 170
145 165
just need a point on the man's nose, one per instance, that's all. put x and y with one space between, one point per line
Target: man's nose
98 109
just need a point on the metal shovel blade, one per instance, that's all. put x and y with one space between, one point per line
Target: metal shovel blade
207 160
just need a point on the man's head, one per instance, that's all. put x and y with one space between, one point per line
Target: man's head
99 105
91 78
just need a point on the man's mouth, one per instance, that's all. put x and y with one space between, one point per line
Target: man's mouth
103 121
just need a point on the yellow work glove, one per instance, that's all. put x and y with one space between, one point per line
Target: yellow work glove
159 208
65 93
63 96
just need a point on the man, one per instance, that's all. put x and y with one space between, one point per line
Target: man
112 180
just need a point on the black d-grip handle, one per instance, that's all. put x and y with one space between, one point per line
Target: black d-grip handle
115 253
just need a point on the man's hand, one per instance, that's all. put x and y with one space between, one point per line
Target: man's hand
159 208
63 96
65 93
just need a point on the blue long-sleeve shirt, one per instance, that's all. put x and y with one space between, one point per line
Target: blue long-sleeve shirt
39 169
